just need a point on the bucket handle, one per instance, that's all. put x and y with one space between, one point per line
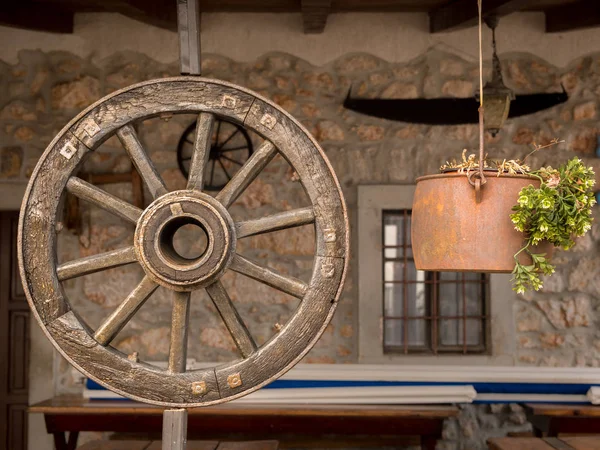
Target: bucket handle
477 183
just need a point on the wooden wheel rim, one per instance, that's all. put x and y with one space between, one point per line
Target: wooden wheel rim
114 113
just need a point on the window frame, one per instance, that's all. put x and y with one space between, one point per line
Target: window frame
432 296
373 200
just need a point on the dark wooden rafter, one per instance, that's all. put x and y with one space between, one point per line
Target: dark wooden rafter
314 15
162 14
573 16
445 15
43 18
463 13
57 15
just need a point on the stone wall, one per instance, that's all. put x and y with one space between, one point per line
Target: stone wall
556 327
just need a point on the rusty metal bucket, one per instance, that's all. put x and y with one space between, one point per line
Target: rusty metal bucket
451 232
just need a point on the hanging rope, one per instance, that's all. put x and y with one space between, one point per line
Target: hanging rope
479 177
480 58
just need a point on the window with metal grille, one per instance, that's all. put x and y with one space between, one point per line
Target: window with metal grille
428 312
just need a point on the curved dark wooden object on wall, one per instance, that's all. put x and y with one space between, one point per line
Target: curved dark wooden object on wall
90 350
446 111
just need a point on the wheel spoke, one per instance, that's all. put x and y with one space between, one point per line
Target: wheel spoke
103 199
224 169
96 263
218 132
284 283
142 162
247 173
233 149
288 219
237 130
204 129
179 331
189 142
120 316
212 172
232 319
231 160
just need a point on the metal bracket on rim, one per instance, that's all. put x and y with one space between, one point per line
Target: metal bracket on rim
188 28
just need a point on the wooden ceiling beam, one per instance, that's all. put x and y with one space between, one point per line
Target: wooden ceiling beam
573 16
43 18
160 13
314 15
463 13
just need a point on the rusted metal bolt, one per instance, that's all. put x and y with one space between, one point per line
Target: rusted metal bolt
329 235
199 387
268 121
234 380
228 102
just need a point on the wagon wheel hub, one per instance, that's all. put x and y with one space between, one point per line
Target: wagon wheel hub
155 236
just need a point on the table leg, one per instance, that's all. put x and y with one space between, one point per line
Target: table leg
60 441
428 442
553 428
73 436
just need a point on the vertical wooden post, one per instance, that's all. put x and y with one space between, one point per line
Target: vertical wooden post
188 26
174 436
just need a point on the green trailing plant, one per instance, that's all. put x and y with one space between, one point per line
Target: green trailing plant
558 211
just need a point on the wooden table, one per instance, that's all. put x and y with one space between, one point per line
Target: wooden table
550 443
300 425
191 445
554 419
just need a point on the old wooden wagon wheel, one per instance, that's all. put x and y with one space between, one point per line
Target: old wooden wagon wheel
90 350
230 147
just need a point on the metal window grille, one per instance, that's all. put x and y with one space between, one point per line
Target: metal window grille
429 312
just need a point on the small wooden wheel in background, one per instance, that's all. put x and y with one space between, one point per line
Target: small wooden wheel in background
90 350
230 148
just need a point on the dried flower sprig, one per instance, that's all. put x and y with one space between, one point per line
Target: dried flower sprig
466 165
511 166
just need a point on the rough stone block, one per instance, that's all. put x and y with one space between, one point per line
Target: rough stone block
451 67
400 90
76 94
571 312
585 111
357 63
458 88
19 110
11 160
